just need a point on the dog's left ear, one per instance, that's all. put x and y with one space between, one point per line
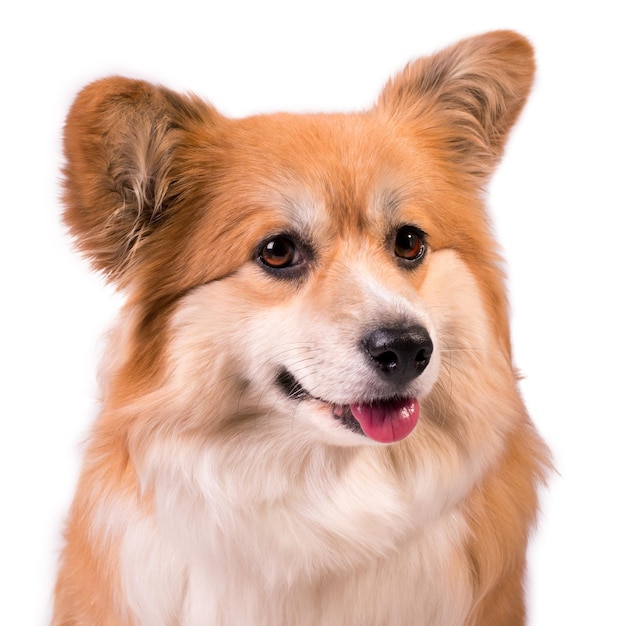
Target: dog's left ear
470 94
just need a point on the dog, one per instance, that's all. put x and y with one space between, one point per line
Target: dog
309 412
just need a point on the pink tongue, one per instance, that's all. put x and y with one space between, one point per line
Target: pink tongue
386 422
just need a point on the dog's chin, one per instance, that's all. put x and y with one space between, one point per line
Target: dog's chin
383 420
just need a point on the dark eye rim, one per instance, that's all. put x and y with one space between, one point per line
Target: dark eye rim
418 257
295 263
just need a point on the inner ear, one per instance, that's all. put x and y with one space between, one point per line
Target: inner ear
122 137
472 92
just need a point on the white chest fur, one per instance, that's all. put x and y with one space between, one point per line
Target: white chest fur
343 545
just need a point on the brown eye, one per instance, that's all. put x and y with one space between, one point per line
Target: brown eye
410 243
279 252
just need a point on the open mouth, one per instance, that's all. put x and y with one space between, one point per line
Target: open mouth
385 421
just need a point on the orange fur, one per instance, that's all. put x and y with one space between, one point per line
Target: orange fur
210 496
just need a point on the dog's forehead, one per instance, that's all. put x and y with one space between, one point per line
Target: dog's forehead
331 170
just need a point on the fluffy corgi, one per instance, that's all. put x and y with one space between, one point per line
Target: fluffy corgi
309 411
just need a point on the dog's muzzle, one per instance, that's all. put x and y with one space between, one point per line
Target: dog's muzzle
398 355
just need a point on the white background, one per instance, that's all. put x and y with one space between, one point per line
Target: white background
557 201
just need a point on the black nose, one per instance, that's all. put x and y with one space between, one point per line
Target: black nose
399 354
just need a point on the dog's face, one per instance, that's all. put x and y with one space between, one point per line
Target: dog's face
321 275
325 322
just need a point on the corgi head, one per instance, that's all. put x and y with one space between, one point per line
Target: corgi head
330 276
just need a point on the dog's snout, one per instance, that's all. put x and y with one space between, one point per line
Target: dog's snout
399 354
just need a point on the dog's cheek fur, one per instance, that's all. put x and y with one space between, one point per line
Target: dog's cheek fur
222 364
477 393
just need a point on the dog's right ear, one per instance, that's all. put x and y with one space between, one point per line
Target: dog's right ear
122 143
